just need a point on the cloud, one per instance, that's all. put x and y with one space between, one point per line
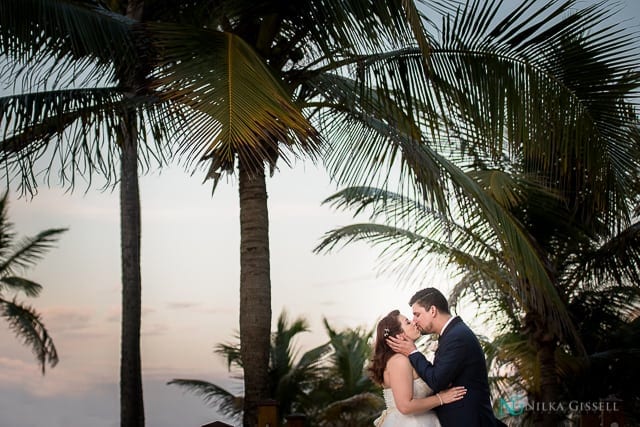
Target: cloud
154 329
67 319
66 323
14 371
114 313
183 305
26 375
95 205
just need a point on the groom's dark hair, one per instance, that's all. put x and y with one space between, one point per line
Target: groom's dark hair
428 297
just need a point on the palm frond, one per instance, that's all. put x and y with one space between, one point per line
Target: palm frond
575 76
363 114
616 261
351 350
237 106
344 27
30 250
7 233
513 361
215 396
19 284
391 207
495 87
231 351
27 325
75 132
521 253
311 359
283 352
39 33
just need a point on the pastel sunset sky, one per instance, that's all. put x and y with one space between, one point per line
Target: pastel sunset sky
190 273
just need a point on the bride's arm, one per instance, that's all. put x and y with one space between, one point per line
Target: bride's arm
401 383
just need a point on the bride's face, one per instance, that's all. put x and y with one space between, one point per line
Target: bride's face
409 328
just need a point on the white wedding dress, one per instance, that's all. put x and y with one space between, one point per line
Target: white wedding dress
391 417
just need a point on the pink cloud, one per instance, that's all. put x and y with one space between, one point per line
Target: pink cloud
182 305
114 313
66 318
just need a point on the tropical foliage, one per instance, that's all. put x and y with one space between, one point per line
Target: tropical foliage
239 73
16 256
388 96
80 106
253 80
575 200
327 384
345 395
242 84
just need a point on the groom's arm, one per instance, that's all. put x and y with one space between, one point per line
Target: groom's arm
422 366
440 375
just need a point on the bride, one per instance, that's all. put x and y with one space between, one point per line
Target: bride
408 398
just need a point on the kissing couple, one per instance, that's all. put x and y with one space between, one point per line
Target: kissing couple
451 391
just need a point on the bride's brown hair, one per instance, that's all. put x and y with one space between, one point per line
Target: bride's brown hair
388 326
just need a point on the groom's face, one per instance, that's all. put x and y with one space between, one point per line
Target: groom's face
423 318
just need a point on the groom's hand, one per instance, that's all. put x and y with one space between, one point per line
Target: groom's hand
401 345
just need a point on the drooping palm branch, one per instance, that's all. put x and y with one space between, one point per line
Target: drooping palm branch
15 257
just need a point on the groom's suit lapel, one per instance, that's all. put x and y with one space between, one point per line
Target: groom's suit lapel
454 322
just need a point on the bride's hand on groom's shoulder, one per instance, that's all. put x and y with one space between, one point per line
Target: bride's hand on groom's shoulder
401 344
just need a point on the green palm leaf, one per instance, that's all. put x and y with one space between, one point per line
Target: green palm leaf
224 401
77 128
25 253
237 106
616 261
27 324
23 320
61 32
29 251
19 284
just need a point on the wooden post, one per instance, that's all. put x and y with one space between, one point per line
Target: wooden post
296 420
612 413
268 414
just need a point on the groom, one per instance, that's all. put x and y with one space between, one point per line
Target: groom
458 361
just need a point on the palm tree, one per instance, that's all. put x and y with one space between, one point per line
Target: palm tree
369 79
345 395
24 320
80 105
248 77
364 73
290 374
575 201
597 283
328 384
88 103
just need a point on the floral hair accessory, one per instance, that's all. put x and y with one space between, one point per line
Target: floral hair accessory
386 332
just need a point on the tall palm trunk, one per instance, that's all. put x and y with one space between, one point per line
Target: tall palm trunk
131 401
255 288
549 395
549 386
131 398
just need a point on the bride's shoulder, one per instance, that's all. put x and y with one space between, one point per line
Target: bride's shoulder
398 360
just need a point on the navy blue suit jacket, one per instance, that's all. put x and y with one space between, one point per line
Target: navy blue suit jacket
459 361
